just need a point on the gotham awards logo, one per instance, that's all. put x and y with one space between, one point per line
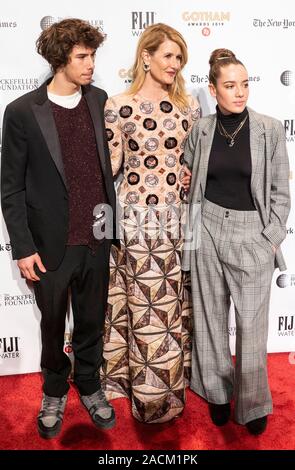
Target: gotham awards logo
206 20
126 75
68 348
287 78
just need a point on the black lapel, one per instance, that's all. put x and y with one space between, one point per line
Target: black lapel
44 116
96 116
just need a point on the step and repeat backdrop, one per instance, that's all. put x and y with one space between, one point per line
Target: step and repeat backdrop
262 34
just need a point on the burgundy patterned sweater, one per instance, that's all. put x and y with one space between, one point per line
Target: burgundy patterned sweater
82 169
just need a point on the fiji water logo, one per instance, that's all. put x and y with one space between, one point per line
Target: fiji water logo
140 20
9 347
286 325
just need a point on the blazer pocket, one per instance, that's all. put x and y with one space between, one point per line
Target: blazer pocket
267 244
33 207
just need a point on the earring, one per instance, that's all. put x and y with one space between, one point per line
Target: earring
146 67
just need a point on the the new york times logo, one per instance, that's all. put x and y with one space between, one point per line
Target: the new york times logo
199 79
272 23
9 347
7 300
286 325
4 246
8 24
289 125
140 20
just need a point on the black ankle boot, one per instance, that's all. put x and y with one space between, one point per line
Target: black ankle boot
219 413
257 426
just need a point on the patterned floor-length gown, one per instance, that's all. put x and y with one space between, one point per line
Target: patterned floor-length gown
147 337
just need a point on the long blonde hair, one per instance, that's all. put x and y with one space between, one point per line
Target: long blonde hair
150 40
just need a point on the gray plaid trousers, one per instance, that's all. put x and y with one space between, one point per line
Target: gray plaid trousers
234 260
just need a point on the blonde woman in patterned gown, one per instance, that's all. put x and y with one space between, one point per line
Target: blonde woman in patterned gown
147 343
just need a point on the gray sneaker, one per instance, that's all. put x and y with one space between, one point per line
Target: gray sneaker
51 415
101 412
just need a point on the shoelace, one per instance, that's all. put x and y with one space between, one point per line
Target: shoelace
101 396
52 405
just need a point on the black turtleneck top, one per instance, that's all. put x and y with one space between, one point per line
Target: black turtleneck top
230 168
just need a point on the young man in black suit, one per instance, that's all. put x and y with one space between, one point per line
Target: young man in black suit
55 171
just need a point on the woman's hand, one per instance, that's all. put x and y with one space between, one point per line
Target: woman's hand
186 178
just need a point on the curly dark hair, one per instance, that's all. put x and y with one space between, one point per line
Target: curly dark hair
55 43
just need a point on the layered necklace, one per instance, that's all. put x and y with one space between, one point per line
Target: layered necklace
230 138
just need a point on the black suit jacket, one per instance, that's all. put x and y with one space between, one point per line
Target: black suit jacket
33 185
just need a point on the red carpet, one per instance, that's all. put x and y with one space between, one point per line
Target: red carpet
20 401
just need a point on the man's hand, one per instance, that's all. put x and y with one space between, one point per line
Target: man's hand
26 267
186 179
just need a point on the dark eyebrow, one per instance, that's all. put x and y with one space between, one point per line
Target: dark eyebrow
232 81
85 53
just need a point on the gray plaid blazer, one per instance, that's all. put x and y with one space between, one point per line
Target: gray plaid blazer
269 181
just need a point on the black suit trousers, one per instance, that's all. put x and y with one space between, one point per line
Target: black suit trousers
84 275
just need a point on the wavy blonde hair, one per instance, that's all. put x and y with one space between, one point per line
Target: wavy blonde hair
150 40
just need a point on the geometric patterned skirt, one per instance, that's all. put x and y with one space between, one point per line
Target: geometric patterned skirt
147 341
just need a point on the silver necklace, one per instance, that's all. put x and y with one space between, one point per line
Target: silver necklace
230 138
